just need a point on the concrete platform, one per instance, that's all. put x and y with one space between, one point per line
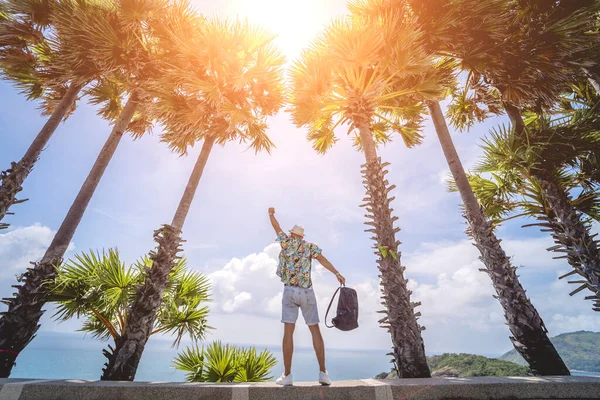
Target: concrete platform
575 387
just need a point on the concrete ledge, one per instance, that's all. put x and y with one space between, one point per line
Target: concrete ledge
367 389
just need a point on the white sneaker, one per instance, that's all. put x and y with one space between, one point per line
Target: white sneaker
324 378
285 380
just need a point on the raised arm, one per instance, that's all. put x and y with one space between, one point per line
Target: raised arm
274 222
328 266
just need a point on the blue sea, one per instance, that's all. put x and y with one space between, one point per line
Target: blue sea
75 356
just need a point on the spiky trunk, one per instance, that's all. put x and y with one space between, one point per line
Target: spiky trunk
529 334
125 358
569 230
19 324
13 178
401 320
572 237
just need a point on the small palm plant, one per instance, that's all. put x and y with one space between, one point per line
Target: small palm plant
225 363
100 289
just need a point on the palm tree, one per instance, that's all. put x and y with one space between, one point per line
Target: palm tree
541 63
100 289
562 147
529 68
539 51
347 76
225 363
529 335
84 35
227 81
28 49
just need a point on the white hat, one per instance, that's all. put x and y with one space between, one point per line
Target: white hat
298 230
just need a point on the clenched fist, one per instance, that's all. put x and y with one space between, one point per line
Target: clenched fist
271 211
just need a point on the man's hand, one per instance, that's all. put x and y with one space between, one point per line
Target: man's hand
340 279
274 222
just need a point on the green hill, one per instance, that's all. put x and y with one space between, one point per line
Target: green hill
462 365
579 350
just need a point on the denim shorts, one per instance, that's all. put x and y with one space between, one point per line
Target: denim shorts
297 297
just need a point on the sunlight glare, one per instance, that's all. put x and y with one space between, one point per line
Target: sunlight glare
295 22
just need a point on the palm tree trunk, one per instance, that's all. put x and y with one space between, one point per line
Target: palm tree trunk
13 178
19 324
192 186
401 319
569 231
572 236
124 359
529 334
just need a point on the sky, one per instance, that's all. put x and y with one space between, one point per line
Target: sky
228 234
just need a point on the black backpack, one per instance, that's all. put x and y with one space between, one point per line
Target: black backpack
347 310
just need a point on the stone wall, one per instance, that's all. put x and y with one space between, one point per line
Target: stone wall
367 389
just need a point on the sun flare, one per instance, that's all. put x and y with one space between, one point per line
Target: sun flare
295 22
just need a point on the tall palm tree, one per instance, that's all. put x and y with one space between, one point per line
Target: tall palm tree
100 289
227 81
529 335
28 49
347 76
84 35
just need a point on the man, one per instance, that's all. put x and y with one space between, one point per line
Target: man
294 269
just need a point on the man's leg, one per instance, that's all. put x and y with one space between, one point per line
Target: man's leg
288 347
319 345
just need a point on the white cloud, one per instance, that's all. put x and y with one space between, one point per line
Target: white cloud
21 246
565 323
448 256
247 299
238 301
457 304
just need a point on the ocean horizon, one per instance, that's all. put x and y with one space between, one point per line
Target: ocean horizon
54 355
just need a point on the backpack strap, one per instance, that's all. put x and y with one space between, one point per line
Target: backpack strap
329 307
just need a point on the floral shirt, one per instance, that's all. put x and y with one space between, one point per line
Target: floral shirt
295 260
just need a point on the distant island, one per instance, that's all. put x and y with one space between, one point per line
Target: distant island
463 365
579 350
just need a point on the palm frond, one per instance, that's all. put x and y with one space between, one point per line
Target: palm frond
226 79
191 360
255 367
369 68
